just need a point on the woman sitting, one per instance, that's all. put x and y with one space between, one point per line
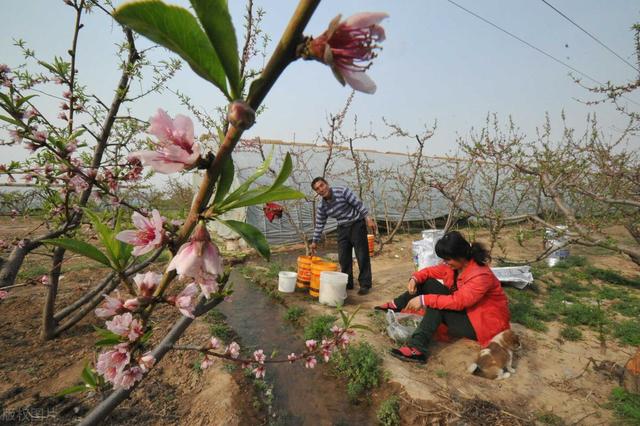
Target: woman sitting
470 303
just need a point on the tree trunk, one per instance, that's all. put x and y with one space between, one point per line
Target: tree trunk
48 322
12 265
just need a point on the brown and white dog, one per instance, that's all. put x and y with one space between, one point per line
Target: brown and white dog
495 361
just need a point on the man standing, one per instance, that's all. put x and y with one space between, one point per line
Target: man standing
342 204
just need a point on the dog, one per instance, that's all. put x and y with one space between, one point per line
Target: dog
495 361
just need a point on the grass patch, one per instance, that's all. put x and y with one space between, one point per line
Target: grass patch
319 327
571 333
294 314
524 311
628 306
361 366
610 276
581 314
218 326
389 412
628 332
572 262
608 292
572 285
626 406
32 271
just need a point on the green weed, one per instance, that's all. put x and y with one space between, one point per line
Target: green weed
218 326
550 419
571 284
379 321
608 292
628 306
626 406
319 327
524 311
32 271
580 314
361 366
607 275
294 314
572 262
571 333
389 412
628 332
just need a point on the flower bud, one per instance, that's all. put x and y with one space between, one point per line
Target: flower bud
241 115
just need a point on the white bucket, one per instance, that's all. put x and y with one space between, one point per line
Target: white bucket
333 288
287 281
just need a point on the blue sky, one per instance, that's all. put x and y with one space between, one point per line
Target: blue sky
438 63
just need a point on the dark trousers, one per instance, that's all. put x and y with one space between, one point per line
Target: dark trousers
457 322
354 236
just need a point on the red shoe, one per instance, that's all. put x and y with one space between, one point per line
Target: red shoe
408 354
389 306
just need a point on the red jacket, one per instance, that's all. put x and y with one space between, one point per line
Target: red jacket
479 292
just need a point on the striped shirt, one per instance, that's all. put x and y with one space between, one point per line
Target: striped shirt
344 206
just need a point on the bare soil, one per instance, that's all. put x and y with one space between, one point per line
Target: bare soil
553 375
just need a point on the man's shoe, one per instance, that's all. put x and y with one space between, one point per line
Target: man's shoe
363 291
389 306
408 354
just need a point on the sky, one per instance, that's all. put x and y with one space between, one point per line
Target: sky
438 63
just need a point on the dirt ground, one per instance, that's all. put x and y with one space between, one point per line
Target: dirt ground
553 375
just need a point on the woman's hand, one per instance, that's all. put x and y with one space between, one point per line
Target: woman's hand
412 286
414 304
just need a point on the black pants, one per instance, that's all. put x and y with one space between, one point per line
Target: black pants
354 236
457 322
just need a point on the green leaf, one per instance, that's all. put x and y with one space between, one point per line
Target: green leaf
10 120
106 236
88 376
361 327
345 320
178 30
265 195
216 21
82 248
247 183
285 172
24 99
226 179
109 341
251 235
73 389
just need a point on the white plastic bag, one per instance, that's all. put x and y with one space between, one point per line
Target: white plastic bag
401 326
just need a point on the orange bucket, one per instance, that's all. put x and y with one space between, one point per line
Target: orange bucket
316 269
371 239
304 270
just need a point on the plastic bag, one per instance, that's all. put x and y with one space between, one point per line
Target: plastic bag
401 326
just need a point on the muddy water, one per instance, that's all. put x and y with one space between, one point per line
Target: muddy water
301 396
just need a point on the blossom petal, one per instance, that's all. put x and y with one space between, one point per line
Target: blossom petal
365 19
161 125
359 81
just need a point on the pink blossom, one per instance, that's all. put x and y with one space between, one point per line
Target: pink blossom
348 47
336 330
44 280
233 350
66 94
259 371
3 294
176 149
63 116
241 115
4 69
311 344
310 362
149 235
292 357
128 378
259 356
40 136
207 362
78 183
30 113
15 135
185 301
326 349
112 362
147 283
131 304
146 362
124 325
199 259
110 307
214 343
